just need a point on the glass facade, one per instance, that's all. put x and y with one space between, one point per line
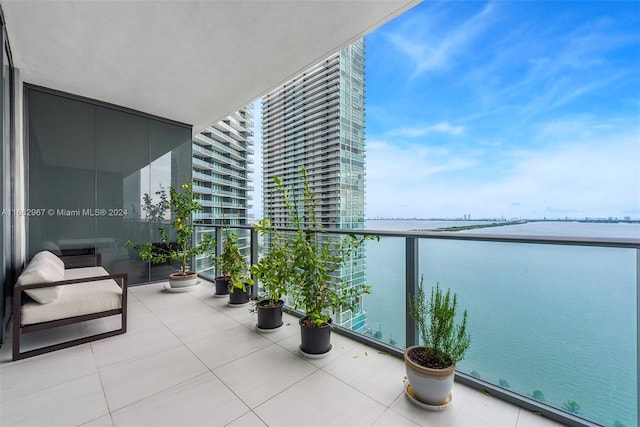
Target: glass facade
90 167
318 120
222 158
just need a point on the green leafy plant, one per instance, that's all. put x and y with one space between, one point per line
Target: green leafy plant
234 266
504 383
445 342
315 259
538 395
182 205
275 268
571 406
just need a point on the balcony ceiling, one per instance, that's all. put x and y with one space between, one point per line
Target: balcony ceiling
191 61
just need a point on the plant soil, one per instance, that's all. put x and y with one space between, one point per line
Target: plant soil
266 303
309 324
426 357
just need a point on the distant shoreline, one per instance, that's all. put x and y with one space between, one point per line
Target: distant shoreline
499 222
471 227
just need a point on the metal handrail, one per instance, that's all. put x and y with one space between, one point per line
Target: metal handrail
629 243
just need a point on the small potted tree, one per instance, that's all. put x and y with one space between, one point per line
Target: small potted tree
316 261
274 271
431 367
182 205
235 271
226 260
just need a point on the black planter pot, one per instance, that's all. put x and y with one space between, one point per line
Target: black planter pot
238 296
315 340
222 286
269 317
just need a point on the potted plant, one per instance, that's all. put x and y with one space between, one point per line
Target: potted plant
316 260
431 367
179 248
235 271
274 271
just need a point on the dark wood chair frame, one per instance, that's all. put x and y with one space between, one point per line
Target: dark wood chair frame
71 261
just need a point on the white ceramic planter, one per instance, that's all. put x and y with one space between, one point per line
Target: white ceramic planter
431 386
177 280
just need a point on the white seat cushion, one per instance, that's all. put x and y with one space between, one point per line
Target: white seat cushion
78 299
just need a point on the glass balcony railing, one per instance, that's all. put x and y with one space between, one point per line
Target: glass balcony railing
553 321
206 265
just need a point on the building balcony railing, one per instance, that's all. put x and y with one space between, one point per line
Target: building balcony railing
237 184
222 160
235 150
553 321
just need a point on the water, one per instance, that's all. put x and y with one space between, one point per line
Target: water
557 319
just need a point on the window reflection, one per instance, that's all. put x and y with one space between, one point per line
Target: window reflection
90 167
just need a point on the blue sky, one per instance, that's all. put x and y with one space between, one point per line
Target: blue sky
505 109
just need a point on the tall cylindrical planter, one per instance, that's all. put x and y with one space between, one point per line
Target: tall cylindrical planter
269 317
239 297
222 286
431 386
315 340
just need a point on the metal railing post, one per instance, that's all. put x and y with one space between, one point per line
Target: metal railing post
411 287
638 329
219 246
254 259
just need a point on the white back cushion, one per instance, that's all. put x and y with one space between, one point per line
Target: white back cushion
42 271
52 258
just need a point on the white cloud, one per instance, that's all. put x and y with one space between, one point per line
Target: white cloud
595 177
427 52
409 163
442 127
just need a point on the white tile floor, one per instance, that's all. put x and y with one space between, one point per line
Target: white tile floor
190 360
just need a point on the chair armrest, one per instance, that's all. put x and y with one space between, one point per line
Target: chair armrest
76 261
122 276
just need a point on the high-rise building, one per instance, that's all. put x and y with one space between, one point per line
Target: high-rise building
222 158
222 155
317 119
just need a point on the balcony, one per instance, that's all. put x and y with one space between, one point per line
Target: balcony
188 359
545 311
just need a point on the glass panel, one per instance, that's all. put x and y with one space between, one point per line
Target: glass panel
385 307
121 154
244 242
556 323
61 174
89 170
205 267
170 165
